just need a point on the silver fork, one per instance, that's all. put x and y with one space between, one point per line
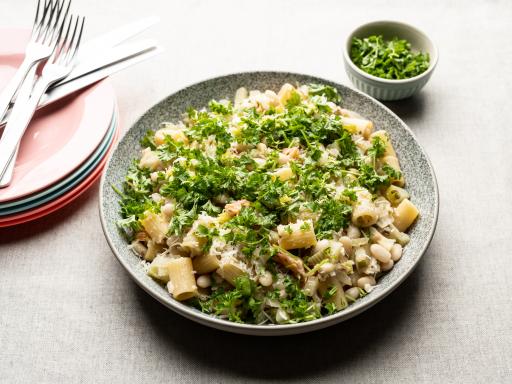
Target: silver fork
41 45
59 65
26 87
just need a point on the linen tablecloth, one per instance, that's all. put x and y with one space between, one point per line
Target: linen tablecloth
69 313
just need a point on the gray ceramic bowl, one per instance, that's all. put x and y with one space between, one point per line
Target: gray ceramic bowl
416 167
384 89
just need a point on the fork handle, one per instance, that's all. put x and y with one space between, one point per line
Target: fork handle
23 96
6 179
13 85
18 122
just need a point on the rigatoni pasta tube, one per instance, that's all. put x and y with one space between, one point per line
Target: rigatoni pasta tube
283 174
392 161
152 250
298 235
205 263
182 284
240 95
175 134
159 268
396 195
360 126
155 226
193 243
285 93
364 213
348 113
230 272
388 147
405 214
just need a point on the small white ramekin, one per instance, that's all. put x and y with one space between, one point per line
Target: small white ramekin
384 89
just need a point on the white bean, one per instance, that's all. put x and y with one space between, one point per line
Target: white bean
266 279
396 252
204 281
363 282
283 159
380 253
353 293
384 267
326 268
262 148
311 286
353 232
139 248
324 158
168 209
221 199
259 162
347 244
337 249
281 316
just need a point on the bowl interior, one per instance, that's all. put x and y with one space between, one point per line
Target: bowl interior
416 167
390 29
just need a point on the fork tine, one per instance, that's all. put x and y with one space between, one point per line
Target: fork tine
52 22
60 21
68 40
40 22
71 41
44 19
77 43
37 16
62 40
55 13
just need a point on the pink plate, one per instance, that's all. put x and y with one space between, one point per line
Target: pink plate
62 135
63 200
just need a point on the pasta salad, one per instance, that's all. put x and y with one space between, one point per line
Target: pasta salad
275 208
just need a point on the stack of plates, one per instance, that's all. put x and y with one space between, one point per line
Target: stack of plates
63 150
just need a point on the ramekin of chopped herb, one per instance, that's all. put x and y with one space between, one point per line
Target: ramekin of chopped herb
389 60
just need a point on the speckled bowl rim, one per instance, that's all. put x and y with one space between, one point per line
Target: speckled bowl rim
271 330
433 60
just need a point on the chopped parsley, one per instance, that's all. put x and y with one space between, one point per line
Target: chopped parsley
330 93
377 149
391 59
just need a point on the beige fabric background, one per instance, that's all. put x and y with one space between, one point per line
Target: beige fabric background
70 314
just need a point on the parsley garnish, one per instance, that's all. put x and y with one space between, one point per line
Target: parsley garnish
371 180
377 149
330 93
335 215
